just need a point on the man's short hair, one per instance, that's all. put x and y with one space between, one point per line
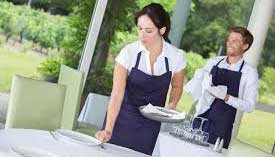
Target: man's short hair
247 36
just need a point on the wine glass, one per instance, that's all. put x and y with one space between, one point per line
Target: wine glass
177 130
188 131
205 137
199 133
186 127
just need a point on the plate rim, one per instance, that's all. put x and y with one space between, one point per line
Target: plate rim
91 140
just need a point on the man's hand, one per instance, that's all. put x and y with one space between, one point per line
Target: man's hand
226 98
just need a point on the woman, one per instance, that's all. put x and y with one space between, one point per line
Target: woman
142 75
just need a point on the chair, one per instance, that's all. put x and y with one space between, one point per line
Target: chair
92 116
87 129
73 80
42 105
3 107
35 104
94 110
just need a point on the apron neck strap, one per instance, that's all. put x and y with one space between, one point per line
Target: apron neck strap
219 62
138 59
166 64
241 67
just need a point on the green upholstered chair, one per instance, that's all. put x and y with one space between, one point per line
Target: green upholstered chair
35 104
42 105
73 80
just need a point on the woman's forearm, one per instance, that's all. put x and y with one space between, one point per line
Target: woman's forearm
175 95
119 84
176 91
113 110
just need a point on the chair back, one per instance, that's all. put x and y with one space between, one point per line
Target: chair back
94 110
73 80
35 104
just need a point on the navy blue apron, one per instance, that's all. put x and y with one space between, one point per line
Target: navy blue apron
221 116
132 130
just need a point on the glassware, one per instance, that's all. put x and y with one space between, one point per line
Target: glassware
199 134
205 137
177 130
186 132
187 129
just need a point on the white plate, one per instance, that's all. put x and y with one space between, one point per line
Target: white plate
77 137
32 152
166 110
164 115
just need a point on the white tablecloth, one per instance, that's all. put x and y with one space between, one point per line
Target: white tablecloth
169 146
44 141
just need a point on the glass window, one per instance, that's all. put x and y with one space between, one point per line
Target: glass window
257 128
34 38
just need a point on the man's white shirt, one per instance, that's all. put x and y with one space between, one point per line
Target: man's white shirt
248 87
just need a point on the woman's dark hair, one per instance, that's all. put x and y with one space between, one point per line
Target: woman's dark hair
158 16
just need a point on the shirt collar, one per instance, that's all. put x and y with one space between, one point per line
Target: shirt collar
235 65
164 52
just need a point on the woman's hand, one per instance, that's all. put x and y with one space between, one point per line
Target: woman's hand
103 136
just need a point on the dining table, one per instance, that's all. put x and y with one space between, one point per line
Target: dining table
171 146
46 142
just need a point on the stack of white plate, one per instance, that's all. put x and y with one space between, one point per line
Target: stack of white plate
162 114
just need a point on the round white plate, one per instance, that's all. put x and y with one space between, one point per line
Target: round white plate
77 137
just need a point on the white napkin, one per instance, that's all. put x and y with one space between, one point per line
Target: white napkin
205 99
194 86
204 103
153 110
171 114
218 91
180 115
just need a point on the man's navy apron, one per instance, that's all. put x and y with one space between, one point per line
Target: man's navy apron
221 116
132 130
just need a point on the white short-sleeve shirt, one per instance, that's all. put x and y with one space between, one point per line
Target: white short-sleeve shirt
128 56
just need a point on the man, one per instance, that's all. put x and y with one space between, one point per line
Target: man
233 85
